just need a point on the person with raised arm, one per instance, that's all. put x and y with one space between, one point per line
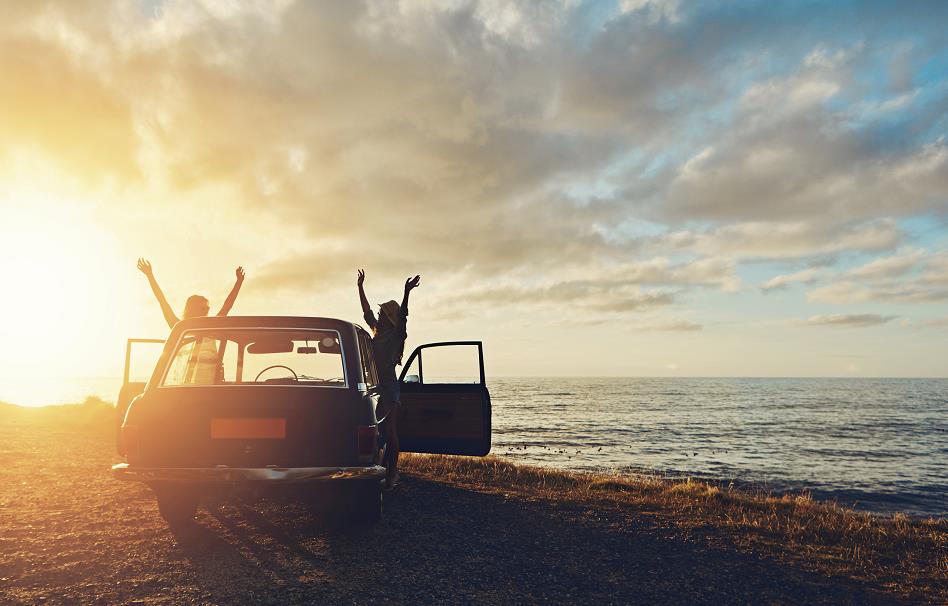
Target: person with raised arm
206 367
389 331
196 305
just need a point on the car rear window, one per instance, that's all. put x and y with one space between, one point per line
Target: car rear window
257 356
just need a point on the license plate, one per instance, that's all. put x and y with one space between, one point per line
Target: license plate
245 428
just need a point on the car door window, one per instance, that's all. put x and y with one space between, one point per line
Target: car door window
141 355
455 364
368 361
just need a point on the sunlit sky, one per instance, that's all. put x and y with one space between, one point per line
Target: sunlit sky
633 188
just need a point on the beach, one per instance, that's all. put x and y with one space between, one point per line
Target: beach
457 530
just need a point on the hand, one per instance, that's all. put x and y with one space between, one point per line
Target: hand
145 267
361 277
240 274
411 283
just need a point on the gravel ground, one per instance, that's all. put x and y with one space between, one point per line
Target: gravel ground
70 534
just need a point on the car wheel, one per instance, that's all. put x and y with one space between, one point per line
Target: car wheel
176 504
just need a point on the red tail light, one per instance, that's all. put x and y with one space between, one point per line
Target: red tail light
366 438
130 441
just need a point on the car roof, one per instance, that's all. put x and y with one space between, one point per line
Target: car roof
263 322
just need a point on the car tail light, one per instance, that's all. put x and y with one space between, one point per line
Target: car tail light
367 439
130 442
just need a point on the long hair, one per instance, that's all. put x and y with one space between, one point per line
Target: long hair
196 306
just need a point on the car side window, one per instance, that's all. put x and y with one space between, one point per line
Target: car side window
368 362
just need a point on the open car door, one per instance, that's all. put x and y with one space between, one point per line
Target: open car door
141 355
442 412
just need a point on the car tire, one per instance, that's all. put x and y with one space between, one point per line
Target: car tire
177 504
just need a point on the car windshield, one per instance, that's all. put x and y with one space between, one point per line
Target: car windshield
256 356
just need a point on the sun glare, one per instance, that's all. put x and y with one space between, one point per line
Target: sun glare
54 262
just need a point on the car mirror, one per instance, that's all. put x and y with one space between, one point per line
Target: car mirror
328 345
412 379
269 347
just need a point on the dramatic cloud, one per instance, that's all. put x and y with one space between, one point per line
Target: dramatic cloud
617 161
479 120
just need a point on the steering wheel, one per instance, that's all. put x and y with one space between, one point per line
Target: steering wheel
295 376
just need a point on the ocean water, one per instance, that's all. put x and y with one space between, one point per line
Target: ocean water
876 444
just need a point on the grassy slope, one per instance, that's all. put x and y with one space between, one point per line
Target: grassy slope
906 556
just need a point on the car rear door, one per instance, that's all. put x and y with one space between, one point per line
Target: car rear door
441 413
141 355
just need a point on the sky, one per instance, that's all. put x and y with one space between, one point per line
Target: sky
632 188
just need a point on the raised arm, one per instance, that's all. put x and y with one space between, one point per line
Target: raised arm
229 301
366 308
145 267
410 284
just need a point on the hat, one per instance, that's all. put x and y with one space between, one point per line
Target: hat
392 310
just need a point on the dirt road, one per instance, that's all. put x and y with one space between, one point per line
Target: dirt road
70 534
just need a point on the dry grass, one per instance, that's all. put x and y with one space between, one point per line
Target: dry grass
899 554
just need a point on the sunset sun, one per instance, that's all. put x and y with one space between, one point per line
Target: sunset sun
55 262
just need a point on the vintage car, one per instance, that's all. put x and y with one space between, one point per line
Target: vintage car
256 402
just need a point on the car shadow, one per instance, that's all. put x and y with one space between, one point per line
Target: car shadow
438 543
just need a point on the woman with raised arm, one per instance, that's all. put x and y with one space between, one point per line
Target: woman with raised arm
206 367
196 305
388 343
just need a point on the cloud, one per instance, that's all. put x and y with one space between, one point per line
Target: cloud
504 148
614 289
850 320
911 276
654 10
806 276
672 326
592 296
852 292
785 240
791 152
937 323
892 266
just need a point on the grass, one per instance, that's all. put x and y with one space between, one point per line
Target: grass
899 554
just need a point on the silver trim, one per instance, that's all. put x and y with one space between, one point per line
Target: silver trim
224 474
342 353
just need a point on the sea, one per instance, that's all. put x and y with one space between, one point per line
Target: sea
879 445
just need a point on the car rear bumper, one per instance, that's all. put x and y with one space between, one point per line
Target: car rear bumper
229 475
